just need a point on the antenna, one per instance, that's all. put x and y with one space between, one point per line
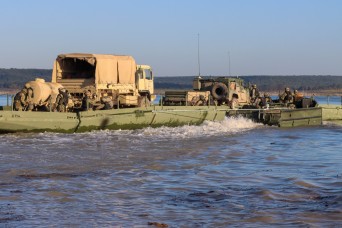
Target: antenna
229 63
198 55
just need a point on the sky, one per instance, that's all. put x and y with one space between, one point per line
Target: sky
236 37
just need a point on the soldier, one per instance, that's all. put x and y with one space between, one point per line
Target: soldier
20 100
297 96
198 100
87 101
29 99
62 100
234 103
254 93
266 100
106 102
287 96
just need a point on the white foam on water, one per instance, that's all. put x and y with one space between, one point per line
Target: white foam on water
230 125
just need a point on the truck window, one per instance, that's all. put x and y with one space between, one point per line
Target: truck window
148 74
139 74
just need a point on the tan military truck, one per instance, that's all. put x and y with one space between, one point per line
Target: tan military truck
115 76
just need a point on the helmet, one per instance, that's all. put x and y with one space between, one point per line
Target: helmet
295 91
266 94
88 92
287 89
254 86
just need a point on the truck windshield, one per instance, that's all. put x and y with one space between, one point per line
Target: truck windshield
148 74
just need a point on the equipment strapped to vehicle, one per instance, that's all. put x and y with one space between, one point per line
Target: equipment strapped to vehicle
219 91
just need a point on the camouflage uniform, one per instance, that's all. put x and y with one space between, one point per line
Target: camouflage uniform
266 100
234 103
198 101
87 101
29 99
20 100
62 100
287 96
254 93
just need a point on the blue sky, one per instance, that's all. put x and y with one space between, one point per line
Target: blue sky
272 37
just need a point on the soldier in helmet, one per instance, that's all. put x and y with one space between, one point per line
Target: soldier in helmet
297 96
20 100
254 93
62 100
286 97
266 100
87 101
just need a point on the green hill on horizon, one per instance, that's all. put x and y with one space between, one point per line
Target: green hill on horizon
266 83
15 78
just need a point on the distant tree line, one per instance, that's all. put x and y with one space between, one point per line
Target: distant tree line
15 78
265 83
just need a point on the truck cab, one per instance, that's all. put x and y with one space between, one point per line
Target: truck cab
144 80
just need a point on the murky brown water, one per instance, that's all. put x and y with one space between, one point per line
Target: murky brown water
234 173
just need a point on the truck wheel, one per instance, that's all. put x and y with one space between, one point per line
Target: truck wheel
219 91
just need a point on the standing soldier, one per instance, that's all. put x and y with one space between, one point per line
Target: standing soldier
254 93
62 100
286 97
29 99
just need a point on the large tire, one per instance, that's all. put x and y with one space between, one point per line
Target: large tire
219 91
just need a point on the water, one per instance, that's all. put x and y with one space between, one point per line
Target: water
222 174
233 173
4 99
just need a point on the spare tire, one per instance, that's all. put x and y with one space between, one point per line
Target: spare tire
219 91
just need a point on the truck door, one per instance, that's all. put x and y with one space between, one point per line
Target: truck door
149 80
144 79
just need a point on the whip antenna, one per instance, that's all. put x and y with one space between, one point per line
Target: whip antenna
229 63
198 55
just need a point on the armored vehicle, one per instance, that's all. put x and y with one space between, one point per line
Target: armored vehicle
223 88
214 91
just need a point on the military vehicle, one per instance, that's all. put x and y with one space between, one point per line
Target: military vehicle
114 76
214 91
130 87
223 89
